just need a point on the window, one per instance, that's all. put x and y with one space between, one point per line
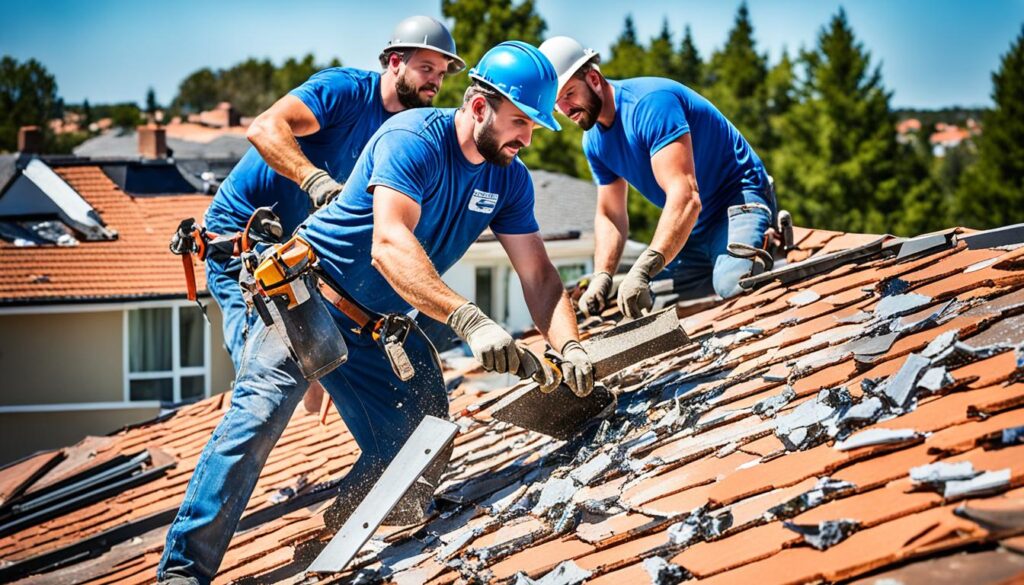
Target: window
167 354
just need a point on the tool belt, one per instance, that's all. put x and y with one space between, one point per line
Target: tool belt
285 277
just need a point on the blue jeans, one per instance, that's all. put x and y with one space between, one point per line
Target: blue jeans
222 281
704 265
379 410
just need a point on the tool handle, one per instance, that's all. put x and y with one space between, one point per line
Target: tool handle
190 275
539 369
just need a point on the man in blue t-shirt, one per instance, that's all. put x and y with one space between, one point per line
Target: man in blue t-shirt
426 186
306 144
684 156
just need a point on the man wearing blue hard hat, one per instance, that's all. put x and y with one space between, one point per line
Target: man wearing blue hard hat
425 187
684 156
306 144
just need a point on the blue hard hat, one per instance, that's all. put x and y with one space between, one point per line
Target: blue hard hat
521 73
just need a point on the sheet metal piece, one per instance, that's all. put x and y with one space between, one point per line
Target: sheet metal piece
635 341
1003 236
426 443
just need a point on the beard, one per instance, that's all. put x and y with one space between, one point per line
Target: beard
589 110
409 95
488 146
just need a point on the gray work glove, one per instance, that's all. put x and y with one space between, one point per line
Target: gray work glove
321 187
490 343
577 369
635 291
595 298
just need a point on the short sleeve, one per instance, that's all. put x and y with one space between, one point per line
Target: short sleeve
332 95
516 214
660 120
405 162
601 173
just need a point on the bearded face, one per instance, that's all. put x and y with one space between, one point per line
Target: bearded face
490 145
411 95
584 107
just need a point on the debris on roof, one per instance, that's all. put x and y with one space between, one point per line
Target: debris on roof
858 414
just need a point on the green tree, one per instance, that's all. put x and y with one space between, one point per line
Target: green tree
198 92
691 66
249 86
293 73
780 96
28 97
151 105
991 192
662 60
736 82
628 57
481 24
838 164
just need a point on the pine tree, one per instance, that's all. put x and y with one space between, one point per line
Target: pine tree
662 60
691 66
991 192
836 166
28 96
628 57
151 105
478 26
736 81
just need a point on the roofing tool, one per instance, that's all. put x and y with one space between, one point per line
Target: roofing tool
563 415
428 442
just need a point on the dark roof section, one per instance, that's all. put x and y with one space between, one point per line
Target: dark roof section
563 204
125 145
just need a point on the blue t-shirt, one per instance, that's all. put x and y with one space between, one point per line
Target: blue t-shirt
417 153
650 114
347 105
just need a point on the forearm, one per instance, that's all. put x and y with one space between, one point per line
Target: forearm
405 265
274 140
609 241
677 220
551 310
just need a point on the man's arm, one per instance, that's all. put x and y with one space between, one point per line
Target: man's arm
611 226
545 295
273 134
674 170
400 258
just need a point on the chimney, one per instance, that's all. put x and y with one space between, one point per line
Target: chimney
152 142
30 140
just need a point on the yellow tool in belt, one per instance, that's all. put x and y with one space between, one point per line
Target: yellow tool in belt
279 272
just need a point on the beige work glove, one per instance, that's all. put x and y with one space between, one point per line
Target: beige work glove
595 298
635 291
321 187
490 343
577 369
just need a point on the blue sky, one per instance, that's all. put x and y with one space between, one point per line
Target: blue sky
933 52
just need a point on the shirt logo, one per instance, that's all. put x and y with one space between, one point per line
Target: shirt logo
482 201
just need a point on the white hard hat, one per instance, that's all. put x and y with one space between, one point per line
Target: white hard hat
567 55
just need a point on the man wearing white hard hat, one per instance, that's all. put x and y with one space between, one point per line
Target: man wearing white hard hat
681 154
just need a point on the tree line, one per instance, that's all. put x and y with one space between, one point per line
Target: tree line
821 119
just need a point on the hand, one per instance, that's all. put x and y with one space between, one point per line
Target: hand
635 291
321 187
490 343
577 369
595 298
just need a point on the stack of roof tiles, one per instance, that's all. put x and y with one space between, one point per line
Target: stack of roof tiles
135 265
862 422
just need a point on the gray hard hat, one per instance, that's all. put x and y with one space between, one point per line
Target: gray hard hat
567 55
423 32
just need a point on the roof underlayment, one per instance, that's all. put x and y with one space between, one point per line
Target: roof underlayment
857 423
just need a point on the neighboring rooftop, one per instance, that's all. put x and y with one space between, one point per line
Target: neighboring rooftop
113 245
864 419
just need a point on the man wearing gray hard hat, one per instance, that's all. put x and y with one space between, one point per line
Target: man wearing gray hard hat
684 156
306 144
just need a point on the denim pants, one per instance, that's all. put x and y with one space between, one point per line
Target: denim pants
704 266
222 281
379 410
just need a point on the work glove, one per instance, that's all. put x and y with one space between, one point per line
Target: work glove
635 291
595 298
490 343
321 187
577 369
